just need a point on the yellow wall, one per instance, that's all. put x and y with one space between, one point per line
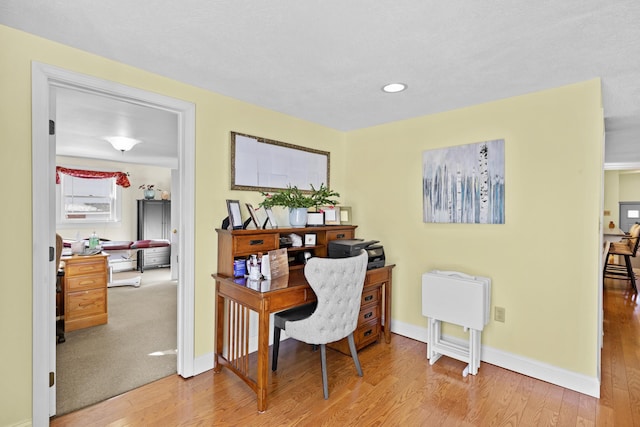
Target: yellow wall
216 116
543 261
629 190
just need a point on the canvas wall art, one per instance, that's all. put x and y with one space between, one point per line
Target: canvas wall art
464 184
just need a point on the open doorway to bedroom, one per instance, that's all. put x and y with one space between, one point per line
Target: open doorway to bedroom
45 79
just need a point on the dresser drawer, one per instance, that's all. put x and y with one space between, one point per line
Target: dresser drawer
370 296
156 259
84 304
368 314
157 252
88 281
340 234
246 245
76 268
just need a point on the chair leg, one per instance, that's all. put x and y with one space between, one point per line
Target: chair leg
632 276
276 348
354 353
323 361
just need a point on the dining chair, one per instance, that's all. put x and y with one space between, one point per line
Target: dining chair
627 249
337 283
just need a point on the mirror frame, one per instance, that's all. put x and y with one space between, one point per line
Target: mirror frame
303 186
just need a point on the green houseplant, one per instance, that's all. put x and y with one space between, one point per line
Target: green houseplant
298 201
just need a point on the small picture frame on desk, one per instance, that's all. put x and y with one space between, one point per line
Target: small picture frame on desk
315 219
331 215
310 239
235 217
345 215
252 213
271 218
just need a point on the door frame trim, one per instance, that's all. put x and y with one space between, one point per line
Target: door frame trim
43 77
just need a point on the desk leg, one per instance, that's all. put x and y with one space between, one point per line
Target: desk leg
219 330
387 309
263 358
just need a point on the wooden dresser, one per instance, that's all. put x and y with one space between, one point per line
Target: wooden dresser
375 311
85 291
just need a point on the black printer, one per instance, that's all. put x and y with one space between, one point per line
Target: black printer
344 248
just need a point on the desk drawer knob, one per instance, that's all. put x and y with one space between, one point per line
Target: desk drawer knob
368 298
369 332
368 315
256 242
340 236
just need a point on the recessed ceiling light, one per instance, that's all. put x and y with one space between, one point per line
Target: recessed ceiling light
394 87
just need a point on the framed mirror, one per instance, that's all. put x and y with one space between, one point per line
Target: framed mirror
260 164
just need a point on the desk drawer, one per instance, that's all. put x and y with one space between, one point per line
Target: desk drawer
366 334
246 245
369 314
370 296
89 281
340 234
377 275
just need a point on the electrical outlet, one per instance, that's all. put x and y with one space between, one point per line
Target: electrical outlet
500 314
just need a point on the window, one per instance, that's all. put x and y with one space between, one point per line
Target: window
84 201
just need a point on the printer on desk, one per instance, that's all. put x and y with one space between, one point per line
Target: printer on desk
344 248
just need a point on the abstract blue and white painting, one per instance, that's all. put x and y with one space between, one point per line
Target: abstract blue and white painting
464 184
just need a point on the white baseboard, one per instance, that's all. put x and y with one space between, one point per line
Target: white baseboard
522 365
202 363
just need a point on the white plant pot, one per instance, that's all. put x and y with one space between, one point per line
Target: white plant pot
298 217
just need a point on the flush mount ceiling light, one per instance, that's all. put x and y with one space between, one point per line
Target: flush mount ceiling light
122 143
394 87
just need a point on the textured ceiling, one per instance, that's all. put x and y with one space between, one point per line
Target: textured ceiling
325 61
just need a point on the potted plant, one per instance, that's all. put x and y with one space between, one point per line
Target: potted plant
299 201
149 191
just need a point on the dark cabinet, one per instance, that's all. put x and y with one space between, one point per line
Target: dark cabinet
154 222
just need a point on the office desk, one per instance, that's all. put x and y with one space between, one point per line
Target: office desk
236 297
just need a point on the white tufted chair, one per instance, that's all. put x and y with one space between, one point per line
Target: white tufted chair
337 284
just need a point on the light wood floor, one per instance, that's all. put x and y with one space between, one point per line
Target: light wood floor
399 388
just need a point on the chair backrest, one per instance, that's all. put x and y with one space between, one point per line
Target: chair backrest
59 245
634 239
337 283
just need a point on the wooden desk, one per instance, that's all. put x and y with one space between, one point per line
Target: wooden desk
236 297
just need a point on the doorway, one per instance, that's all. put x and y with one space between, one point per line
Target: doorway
44 77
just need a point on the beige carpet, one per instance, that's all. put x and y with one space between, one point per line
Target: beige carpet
136 347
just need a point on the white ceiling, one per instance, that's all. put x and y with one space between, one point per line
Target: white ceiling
325 61
83 120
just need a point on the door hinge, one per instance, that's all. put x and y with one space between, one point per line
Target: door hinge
52 379
52 253
52 127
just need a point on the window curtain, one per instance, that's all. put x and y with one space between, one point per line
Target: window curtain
121 177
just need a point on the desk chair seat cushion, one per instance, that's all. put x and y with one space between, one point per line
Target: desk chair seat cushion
338 285
293 314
